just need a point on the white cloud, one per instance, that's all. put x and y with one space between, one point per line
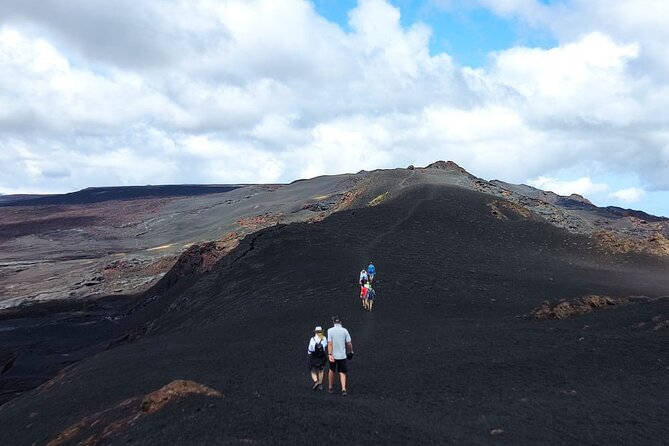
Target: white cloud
643 22
584 80
582 186
630 195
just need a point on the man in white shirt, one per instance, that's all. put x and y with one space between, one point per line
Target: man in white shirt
339 349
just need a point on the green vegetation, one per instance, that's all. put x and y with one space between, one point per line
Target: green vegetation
379 199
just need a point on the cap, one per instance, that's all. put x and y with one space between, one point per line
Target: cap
335 319
318 328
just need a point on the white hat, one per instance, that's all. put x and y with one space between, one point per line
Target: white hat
318 328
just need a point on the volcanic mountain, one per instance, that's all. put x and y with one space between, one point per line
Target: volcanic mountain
504 314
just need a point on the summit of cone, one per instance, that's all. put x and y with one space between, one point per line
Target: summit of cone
446 165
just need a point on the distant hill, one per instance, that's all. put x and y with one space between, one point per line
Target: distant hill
101 194
9 198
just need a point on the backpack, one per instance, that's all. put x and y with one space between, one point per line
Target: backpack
319 350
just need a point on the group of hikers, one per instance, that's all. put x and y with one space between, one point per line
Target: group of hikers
336 349
367 293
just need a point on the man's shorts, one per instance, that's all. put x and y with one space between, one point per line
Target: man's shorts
339 365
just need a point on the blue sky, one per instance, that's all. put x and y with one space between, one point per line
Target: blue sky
468 34
569 95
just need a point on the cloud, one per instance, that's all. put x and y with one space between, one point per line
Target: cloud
630 195
643 22
582 186
127 34
584 81
96 93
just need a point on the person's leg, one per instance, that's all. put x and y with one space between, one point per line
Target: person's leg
331 376
342 368
371 303
314 378
320 376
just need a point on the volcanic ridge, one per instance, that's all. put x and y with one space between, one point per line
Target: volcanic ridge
181 314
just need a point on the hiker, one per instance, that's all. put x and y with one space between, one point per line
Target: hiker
363 277
371 294
363 294
371 272
340 349
318 346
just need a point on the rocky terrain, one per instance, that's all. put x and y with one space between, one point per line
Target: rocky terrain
120 241
504 314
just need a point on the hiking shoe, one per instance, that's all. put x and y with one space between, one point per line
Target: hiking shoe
315 386
330 391
320 387
343 393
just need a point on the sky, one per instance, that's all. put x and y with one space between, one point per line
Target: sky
565 95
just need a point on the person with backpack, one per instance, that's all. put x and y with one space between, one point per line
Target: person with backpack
371 294
363 277
317 351
340 349
363 294
371 272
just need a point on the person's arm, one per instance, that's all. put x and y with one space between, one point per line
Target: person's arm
330 357
312 346
349 344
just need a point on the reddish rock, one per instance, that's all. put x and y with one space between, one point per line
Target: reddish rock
94 429
446 165
175 390
564 308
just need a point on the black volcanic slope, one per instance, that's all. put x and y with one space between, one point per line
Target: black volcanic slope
448 355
